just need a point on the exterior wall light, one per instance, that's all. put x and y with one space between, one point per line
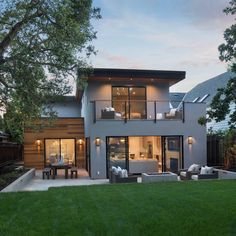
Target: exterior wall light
80 141
190 140
38 142
98 141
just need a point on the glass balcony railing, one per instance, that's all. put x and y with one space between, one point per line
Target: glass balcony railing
136 110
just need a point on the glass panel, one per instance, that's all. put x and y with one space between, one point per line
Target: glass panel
145 154
52 150
137 103
116 152
119 96
68 151
173 154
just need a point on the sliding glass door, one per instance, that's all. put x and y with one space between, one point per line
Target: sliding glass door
60 151
172 153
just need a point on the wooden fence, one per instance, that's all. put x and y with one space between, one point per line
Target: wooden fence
219 153
10 153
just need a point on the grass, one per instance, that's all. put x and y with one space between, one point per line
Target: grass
183 208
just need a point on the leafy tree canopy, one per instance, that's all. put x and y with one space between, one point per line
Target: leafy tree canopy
222 102
41 43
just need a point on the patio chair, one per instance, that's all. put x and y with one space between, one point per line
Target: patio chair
74 170
46 172
186 174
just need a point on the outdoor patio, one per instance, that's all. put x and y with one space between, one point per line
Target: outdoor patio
40 184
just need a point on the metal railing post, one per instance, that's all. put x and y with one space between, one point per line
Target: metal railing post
155 111
125 111
94 112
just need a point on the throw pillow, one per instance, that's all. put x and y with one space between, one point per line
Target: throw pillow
191 168
203 171
196 167
125 173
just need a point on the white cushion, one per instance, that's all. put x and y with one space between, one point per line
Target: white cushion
191 168
159 116
203 171
125 173
183 173
196 167
112 109
194 177
115 170
172 111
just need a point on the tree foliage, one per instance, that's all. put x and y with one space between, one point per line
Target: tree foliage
222 102
41 43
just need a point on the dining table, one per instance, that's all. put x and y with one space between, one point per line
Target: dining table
56 166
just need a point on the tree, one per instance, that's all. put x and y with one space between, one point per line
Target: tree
225 99
41 43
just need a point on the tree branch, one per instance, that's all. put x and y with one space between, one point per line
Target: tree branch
16 28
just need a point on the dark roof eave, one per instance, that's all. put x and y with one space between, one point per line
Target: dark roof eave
138 73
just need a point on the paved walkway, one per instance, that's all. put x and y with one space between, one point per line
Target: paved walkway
39 184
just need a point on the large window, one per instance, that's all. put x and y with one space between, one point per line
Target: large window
130 101
60 151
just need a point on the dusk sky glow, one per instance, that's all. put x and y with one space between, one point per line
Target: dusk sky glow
162 35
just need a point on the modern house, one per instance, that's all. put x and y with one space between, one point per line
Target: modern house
124 118
205 91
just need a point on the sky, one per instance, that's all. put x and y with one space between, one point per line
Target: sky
162 35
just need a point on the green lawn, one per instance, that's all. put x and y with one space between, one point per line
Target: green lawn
177 208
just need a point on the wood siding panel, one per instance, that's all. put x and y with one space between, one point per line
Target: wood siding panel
62 128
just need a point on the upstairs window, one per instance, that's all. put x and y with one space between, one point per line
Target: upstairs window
130 101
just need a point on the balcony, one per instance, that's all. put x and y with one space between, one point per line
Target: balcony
123 110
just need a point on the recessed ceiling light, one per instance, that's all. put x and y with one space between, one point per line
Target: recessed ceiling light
131 79
109 78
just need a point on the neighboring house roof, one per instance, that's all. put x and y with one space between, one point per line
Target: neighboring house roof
208 87
105 74
176 98
205 91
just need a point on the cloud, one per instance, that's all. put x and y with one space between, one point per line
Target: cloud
206 14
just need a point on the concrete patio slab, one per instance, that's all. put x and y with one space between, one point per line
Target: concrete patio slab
39 184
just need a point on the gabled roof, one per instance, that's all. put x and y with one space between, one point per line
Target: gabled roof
176 98
136 75
205 91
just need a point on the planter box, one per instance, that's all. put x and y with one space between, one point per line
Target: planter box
19 183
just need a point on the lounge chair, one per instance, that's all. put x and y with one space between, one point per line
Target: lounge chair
115 178
186 174
206 173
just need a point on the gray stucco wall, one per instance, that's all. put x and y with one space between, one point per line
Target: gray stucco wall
68 109
194 153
